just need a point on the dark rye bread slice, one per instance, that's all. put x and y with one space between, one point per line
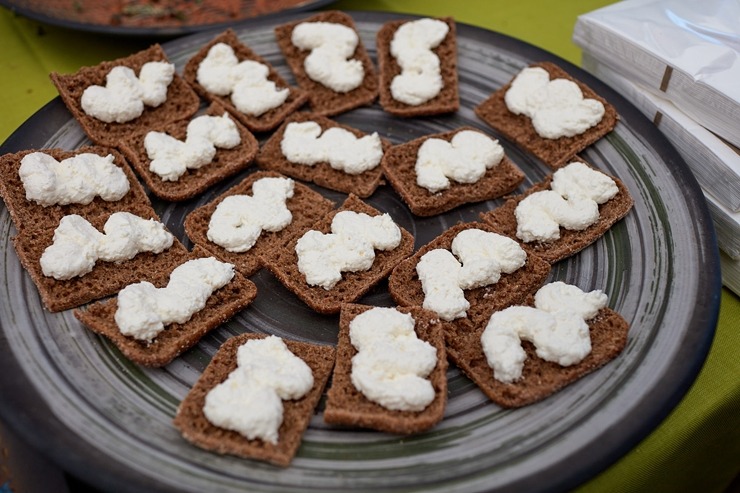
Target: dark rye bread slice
196 428
306 205
181 102
503 218
448 99
225 163
105 279
271 157
323 100
405 287
283 263
399 164
264 122
519 128
175 338
540 378
25 213
345 405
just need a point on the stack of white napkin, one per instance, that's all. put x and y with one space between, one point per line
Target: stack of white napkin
679 62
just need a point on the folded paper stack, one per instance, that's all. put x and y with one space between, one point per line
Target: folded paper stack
679 63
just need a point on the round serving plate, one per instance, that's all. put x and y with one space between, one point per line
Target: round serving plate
72 394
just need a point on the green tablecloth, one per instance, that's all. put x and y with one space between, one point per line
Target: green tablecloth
696 448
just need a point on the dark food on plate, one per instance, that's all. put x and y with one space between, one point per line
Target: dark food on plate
322 99
176 338
448 99
272 158
519 129
459 339
225 163
307 206
349 407
196 428
181 102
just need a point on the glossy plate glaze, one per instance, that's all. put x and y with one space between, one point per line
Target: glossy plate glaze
109 421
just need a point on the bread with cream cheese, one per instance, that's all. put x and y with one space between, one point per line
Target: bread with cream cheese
283 263
519 128
190 419
256 123
406 289
399 169
347 406
182 101
271 157
225 163
26 213
176 338
503 219
448 99
540 378
105 279
324 100
306 205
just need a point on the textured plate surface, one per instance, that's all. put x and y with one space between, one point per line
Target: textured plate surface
72 394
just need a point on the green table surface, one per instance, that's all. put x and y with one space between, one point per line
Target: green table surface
696 448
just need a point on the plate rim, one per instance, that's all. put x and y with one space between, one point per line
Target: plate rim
704 317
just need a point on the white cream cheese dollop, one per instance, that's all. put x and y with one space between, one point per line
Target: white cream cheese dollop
420 79
392 364
556 326
304 143
239 220
171 158
332 46
464 159
350 247
75 180
252 93
124 96
576 191
483 257
556 107
77 245
438 272
250 400
144 310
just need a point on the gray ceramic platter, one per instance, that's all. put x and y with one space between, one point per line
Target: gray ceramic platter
73 395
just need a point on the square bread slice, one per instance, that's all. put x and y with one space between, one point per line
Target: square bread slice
399 164
175 338
283 263
25 213
306 205
503 219
323 100
405 287
540 378
225 163
181 102
448 99
347 406
105 279
196 428
271 157
519 128
264 122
